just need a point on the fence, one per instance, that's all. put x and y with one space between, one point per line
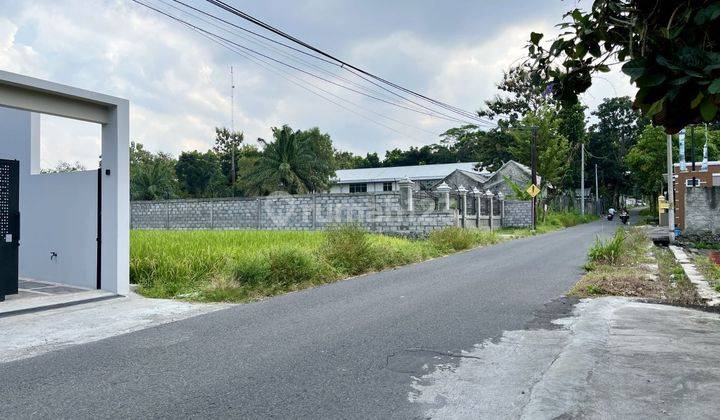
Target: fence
401 212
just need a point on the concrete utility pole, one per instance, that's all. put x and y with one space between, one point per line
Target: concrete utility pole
582 179
597 193
671 192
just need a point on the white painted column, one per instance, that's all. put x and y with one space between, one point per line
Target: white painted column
115 248
489 194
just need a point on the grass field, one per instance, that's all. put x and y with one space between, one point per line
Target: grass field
238 266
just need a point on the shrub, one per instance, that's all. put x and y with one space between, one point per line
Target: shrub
452 239
289 265
348 249
251 270
608 252
593 289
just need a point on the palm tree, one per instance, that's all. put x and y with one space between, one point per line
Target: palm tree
285 164
153 180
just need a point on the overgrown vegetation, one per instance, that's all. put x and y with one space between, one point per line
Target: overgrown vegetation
627 264
236 266
709 270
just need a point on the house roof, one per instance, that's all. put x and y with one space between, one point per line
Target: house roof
417 172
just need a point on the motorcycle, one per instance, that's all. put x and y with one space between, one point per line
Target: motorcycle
624 218
610 217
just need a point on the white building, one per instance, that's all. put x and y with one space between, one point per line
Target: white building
386 179
70 228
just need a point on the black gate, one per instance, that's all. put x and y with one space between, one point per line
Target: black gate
9 226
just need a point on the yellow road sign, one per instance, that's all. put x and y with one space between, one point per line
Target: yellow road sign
533 190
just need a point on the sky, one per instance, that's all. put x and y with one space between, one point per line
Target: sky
178 82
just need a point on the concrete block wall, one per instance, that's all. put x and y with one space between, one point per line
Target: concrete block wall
517 214
702 210
377 212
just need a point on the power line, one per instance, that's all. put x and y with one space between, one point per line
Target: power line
298 81
344 64
280 72
435 113
250 50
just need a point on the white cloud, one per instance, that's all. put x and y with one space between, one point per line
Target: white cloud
178 82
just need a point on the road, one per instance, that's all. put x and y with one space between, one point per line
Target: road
345 350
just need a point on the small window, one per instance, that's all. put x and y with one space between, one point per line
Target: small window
358 188
387 186
689 182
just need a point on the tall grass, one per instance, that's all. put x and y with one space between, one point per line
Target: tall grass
244 265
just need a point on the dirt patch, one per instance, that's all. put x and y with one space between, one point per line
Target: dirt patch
642 270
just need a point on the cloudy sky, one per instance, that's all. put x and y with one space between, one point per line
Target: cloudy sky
178 81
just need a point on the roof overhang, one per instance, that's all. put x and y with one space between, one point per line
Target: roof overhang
36 95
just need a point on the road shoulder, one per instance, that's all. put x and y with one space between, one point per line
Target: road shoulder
615 357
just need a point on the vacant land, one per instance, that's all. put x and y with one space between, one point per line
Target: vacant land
238 266
628 264
244 265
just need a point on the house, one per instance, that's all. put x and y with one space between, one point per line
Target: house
386 179
684 180
429 177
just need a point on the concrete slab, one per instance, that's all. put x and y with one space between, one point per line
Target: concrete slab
31 300
615 358
36 333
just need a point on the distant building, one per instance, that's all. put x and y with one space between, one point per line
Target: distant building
429 177
684 180
386 179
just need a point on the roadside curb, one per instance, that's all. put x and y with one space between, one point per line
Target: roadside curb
706 292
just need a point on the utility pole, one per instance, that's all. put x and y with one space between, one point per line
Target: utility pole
232 129
597 193
582 179
671 192
533 172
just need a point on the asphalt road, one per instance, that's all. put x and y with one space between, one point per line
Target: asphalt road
346 350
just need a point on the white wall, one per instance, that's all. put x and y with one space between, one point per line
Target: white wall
58 211
371 187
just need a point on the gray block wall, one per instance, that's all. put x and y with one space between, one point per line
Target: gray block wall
702 210
378 212
517 214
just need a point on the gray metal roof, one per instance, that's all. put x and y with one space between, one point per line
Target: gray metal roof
417 172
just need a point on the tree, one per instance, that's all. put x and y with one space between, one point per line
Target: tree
553 148
64 167
522 96
295 161
572 127
322 166
615 133
154 179
248 155
670 50
200 174
152 175
469 144
227 146
647 160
